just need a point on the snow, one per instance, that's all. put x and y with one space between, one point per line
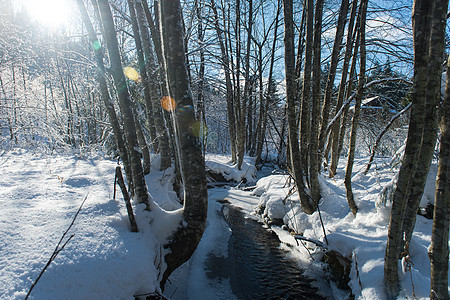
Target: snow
39 197
221 164
40 194
363 238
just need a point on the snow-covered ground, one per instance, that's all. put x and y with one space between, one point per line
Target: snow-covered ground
362 238
40 194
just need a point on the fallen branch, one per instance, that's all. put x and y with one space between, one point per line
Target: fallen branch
314 241
58 248
126 198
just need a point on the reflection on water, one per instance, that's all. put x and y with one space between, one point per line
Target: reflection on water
256 267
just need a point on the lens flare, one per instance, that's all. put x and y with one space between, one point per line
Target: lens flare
96 45
132 74
168 103
199 129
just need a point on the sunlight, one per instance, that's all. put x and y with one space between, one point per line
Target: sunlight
49 13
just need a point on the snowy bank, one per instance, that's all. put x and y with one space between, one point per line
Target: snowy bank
39 196
363 238
222 166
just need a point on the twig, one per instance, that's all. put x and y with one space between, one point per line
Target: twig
57 248
357 271
115 182
380 135
321 223
126 198
318 243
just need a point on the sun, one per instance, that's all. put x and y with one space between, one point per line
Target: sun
49 13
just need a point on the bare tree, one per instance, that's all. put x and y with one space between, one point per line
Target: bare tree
154 113
184 241
441 218
305 119
289 58
331 75
428 26
362 76
137 173
101 78
315 110
228 84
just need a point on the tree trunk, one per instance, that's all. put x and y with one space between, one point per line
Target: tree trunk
362 76
305 120
144 74
289 61
201 77
439 237
247 84
264 110
315 112
157 114
146 164
436 54
240 114
331 75
101 77
228 84
421 33
140 187
192 165
349 91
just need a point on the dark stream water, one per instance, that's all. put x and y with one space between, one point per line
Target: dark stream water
256 266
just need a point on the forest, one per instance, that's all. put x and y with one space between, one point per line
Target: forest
148 132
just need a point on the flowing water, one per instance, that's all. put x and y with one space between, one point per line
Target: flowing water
256 266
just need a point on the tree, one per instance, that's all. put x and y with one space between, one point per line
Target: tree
428 25
225 61
315 110
289 62
101 78
305 118
264 106
439 249
153 106
331 75
362 77
129 126
184 241
429 136
335 135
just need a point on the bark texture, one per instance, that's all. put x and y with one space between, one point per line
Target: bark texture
420 21
101 78
362 76
433 95
192 165
154 100
439 237
289 58
316 96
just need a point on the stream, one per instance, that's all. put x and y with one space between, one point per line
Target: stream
256 266
238 258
